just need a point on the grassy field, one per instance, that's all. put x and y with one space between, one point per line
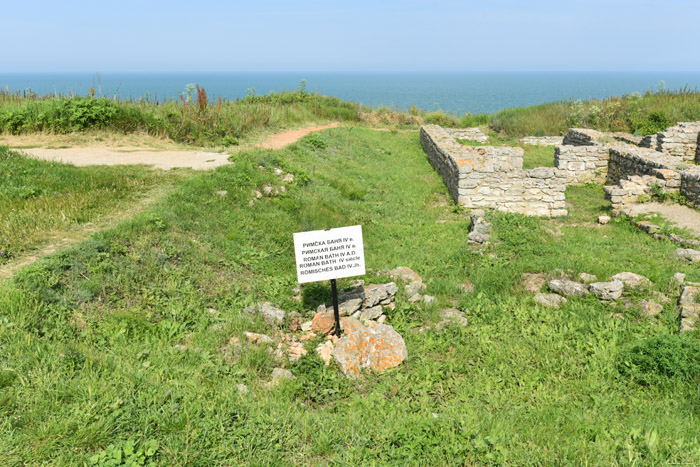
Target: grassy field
90 372
40 199
533 156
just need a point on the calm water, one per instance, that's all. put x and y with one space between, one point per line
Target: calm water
453 92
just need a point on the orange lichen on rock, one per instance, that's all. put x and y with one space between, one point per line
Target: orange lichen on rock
378 348
323 322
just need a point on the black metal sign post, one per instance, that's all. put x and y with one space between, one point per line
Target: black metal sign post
334 290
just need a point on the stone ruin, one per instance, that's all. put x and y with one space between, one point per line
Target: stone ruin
493 177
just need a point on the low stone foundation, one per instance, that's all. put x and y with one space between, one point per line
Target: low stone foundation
582 137
582 164
493 177
680 141
542 140
471 134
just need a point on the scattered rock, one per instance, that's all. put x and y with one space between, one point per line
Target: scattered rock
242 389
349 307
278 171
255 338
297 293
631 280
661 298
267 189
270 313
349 324
650 308
452 316
687 254
587 278
415 298
568 288
296 350
221 192
371 313
306 327
550 300
289 178
279 375
479 228
325 352
679 278
376 293
607 290
533 283
618 316
404 274
323 322
690 308
378 348
603 219
414 288
381 319
258 195
429 300
212 311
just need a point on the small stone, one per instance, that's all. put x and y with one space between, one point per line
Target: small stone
221 192
568 288
212 311
267 189
415 298
587 278
278 171
550 300
607 290
452 316
349 324
258 338
371 313
270 313
293 321
375 293
325 352
289 178
618 316
258 195
349 307
603 219
280 374
650 308
533 283
404 274
296 351
378 348
381 319
321 308
429 300
323 322
242 389
631 280
414 287
306 327
679 278
391 306
688 254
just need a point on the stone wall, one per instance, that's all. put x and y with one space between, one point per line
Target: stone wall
542 140
680 141
582 137
492 177
690 185
582 164
471 134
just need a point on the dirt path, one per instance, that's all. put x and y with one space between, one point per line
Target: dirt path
681 216
161 158
79 233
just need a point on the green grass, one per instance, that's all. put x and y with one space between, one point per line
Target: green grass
87 336
39 198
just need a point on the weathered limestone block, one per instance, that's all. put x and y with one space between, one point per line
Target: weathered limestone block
690 185
471 134
582 137
680 140
582 164
542 140
690 308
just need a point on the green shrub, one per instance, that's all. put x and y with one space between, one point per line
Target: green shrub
442 119
655 122
658 358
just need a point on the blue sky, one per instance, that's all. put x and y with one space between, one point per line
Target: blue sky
316 35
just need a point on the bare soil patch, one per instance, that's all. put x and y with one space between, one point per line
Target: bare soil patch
681 216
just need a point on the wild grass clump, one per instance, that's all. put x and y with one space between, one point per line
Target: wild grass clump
659 358
193 118
640 114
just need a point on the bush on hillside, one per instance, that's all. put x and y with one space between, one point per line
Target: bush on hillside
664 357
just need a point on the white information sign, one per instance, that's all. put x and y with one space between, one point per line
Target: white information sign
329 254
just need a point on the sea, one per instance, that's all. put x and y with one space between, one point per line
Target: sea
454 92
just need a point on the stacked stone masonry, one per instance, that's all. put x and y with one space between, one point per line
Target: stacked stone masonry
680 141
690 185
471 134
582 164
542 140
493 177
